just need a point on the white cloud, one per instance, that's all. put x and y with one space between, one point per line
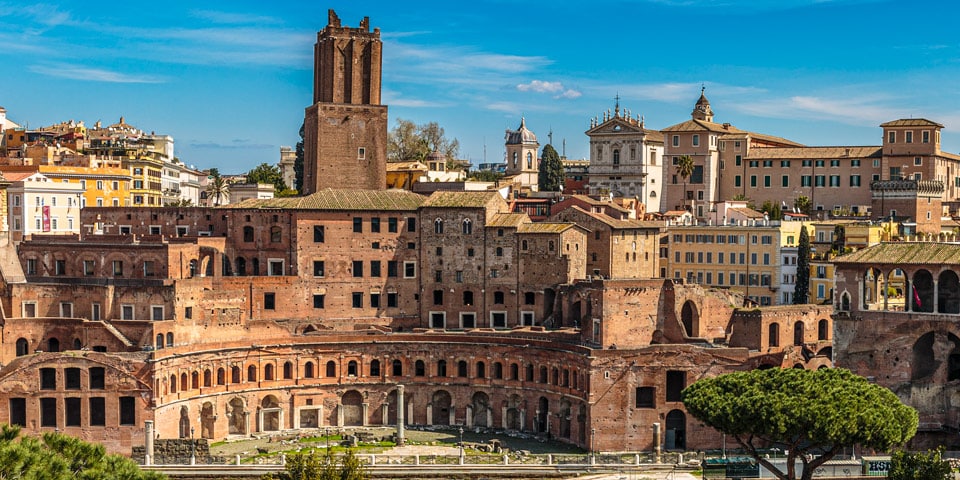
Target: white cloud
76 72
214 16
556 88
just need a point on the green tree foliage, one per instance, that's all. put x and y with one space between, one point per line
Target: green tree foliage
266 173
803 412
803 205
684 170
59 457
919 466
218 187
408 142
550 176
181 202
801 290
316 466
484 175
298 164
772 209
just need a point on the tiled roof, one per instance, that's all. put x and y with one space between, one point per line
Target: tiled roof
813 152
747 212
619 224
773 139
17 176
459 199
911 122
545 227
331 199
508 220
398 166
905 253
694 125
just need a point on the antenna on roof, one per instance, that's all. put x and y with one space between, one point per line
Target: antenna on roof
550 136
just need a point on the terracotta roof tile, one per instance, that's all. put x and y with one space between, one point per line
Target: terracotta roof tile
460 199
335 199
911 122
545 227
813 152
905 253
508 220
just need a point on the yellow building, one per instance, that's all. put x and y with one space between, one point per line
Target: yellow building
101 186
757 259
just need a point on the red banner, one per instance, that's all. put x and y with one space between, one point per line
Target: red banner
46 218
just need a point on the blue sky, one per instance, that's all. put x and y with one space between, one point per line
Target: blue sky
230 80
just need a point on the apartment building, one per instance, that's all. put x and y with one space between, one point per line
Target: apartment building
38 205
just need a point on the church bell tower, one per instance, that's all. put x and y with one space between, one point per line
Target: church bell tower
345 130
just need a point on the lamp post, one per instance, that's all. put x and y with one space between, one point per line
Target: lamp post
593 445
193 450
461 445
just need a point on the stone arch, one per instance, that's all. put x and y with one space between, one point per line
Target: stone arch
798 333
480 402
207 378
873 290
252 373
77 344
513 406
352 404
442 404
255 266
206 265
308 370
948 292
675 437
287 370
564 415
237 416
331 369
845 302
268 372
221 376
270 414
773 334
183 382
923 291
195 380
543 415
169 339
207 420
936 358
823 329
23 347
924 364
690 318
53 344
159 341
481 370
184 427
419 368
396 368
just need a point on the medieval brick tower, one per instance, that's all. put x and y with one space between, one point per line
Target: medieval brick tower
345 130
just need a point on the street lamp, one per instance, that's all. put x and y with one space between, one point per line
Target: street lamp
593 444
193 451
461 445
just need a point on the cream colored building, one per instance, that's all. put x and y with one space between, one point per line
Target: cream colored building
749 257
39 205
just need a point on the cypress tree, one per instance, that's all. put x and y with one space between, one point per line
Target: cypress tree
802 290
550 176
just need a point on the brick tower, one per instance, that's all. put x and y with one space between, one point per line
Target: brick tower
345 130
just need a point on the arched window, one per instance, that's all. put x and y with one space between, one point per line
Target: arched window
442 368
207 378
275 234
332 369
268 371
169 339
173 384
461 368
287 370
467 226
543 374
221 376
514 371
616 157
375 368
23 347
159 341
256 266
419 368
241 266
53 345
397 368
252 373
183 381
308 370
529 372
823 330
481 370
235 374
195 380
774 334
497 370
514 159
351 369
438 226
529 160
798 333
248 234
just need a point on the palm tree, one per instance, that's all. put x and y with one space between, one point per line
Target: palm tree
684 169
218 187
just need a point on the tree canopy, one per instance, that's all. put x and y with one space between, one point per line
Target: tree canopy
298 164
314 466
60 457
550 176
218 188
803 205
804 412
919 466
409 142
801 290
266 173
684 170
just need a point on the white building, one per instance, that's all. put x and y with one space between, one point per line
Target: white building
40 206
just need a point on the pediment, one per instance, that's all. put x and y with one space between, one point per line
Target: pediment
615 125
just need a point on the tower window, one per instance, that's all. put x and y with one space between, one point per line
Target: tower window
361 153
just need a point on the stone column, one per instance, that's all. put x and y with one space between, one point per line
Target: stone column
364 407
656 441
339 414
503 417
523 419
908 297
148 442
400 419
936 301
430 414
469 419
453 416
246 423
489 417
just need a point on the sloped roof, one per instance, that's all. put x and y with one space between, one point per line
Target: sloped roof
17 176
905 253
336 199
814 152
615 223
459 199
398 166
508 220
911 122
545 227
747 212
694 125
